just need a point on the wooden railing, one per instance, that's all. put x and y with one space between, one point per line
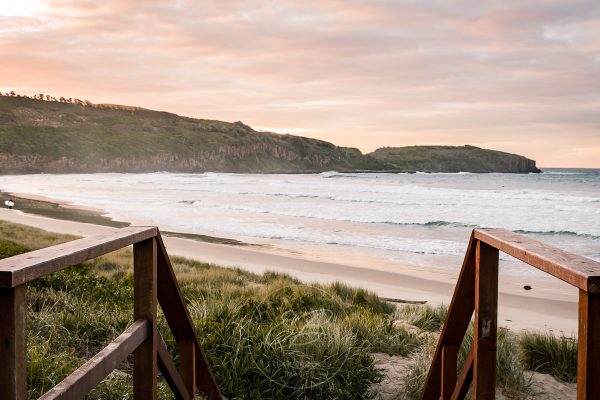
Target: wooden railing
477 292
154 283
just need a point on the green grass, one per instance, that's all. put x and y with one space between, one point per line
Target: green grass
548 354
265 336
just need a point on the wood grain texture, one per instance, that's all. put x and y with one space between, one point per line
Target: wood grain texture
486 322
13 366
90 374
588 355
449 366
171 301
457 321
187 364
145 368
26 267
170 373
464 379
578 271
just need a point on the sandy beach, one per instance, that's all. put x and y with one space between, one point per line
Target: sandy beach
551 306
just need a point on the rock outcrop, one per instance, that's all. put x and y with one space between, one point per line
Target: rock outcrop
453 159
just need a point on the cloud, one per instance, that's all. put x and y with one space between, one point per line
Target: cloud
358 73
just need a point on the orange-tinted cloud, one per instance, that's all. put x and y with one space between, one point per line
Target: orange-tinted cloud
519 76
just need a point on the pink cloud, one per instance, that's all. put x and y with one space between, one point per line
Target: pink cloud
360 73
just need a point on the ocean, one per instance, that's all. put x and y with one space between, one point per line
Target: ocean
418 219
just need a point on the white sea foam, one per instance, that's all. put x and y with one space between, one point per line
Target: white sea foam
429 214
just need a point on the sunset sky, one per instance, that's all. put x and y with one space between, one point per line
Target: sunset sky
513 75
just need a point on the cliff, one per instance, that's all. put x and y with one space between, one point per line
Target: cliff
453 159
55 137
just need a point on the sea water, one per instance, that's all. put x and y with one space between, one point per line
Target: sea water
420 219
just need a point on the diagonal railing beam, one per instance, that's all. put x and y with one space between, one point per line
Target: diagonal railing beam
170 299
170 373
457 321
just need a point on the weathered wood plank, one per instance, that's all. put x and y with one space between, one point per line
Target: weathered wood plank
170 373
180 322
90 374
13 366
486 322
145 368
464 379
578 271
456 324
449 366
588 356
187 364
26 267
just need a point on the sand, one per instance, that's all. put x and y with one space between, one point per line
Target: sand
552 305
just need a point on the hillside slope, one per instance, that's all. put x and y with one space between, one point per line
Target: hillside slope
49 136
453 159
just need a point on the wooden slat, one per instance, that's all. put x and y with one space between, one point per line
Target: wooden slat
464 379
171 301
187 363
170 373
90 374
459 315
449 366
578 271
588 356
145 368
13 366
486 322
26 267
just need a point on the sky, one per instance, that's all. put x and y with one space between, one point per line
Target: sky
521 76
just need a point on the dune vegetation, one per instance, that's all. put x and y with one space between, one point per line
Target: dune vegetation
265 336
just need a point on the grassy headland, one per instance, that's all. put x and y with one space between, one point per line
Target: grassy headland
453 159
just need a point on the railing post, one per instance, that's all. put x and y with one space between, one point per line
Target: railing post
145 367
486 321
187 364
449 366
588 356
13 366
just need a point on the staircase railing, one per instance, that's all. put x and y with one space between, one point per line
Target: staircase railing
154 283
477 292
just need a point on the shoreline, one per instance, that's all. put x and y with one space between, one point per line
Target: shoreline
549 308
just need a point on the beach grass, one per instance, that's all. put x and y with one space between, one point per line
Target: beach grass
265 336
549 354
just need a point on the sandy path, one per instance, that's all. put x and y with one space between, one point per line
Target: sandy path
550 307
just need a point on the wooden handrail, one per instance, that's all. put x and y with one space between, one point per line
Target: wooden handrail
154 283
476 292
18 270
576 270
